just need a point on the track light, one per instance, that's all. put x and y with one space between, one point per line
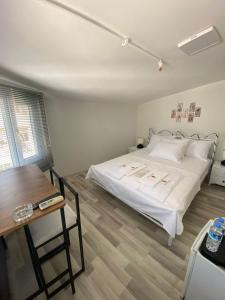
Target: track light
160 65
124 39
125 42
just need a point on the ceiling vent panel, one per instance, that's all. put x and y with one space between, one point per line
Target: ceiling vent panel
201 41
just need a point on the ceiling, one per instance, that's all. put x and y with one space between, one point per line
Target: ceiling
54 50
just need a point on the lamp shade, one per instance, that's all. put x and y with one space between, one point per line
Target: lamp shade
140 141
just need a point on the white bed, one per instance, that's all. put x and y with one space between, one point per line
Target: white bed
167 213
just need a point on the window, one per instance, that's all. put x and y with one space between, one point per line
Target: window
23 129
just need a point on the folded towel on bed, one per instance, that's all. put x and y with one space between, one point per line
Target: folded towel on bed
148 176
125 169
134 179
148 180
153 177
161 190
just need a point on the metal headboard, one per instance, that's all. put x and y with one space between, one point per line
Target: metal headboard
195 136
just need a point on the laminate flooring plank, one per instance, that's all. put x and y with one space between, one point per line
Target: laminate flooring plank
126 255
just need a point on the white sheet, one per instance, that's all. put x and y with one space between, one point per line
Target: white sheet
123 170
169 212
195 165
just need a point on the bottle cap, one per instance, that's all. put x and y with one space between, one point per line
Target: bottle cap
221 220
217 224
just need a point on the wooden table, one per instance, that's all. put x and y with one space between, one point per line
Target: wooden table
19 186
24 185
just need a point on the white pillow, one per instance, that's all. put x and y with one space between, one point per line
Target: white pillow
153 141
156 138
199 149
169 151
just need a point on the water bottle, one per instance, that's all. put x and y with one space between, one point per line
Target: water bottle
222 221
215 236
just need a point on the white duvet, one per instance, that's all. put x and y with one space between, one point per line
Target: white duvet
170 207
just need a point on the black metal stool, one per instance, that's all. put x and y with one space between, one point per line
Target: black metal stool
36 240
4 242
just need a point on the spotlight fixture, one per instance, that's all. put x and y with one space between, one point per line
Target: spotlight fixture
125 42
160 65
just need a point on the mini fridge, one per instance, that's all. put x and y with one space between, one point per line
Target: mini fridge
204 280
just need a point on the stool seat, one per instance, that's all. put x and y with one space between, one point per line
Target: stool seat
50 225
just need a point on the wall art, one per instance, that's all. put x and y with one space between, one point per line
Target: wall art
186 113
198 111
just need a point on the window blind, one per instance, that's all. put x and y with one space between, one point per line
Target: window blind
24 135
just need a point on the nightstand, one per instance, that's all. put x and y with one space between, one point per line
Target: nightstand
217 174
132 149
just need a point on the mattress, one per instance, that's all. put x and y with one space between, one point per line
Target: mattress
170 212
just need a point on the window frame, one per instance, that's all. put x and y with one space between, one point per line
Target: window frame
38 126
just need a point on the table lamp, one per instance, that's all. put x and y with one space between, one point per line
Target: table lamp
140 142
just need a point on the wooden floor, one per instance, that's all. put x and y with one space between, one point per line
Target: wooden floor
127 256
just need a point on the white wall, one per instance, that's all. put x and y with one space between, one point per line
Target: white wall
84 133
211 98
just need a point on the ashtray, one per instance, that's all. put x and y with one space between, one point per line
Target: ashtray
22 212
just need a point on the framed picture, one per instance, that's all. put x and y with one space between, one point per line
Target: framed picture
185 113
173 114
192 107
178 117
198 111
190 117
188 113
179 107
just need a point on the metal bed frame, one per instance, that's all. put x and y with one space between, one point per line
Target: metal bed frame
179 134
194 136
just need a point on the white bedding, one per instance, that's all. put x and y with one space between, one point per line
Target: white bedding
168 211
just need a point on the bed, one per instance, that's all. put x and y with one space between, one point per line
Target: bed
167 205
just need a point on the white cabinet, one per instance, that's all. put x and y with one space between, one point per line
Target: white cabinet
207 281
133 148
204 280
218 174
